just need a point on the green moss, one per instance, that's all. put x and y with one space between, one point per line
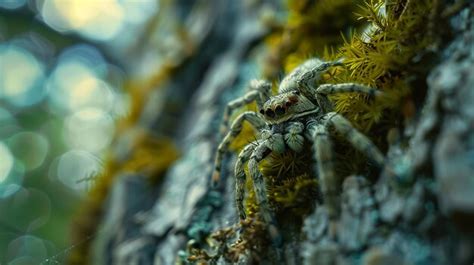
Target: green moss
312 26
383 57
291 184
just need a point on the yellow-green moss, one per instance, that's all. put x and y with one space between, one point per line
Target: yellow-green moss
382 58
310 28
290 181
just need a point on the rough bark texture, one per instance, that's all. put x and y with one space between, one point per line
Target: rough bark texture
426 216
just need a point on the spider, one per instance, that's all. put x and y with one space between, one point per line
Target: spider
301 110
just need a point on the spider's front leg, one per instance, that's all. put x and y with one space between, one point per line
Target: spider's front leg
356 138
240 177
324 156
260 152
257 123
260 91
321 93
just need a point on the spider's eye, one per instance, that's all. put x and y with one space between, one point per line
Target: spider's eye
262 112
296 92
279 110
270 113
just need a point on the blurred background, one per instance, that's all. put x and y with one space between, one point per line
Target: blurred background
63 67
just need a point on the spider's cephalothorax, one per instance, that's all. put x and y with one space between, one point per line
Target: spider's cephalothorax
300 110
287 106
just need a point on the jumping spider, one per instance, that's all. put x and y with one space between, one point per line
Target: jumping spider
300 110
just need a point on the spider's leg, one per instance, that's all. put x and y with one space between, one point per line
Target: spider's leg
324 156
265 89
356 138
328 89
260 91
239 173
321 93
305 76
259 186
311 70
236 127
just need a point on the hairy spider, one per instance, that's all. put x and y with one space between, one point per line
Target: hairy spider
300 110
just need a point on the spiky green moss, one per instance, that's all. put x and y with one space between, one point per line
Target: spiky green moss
311 27
291 184
384 57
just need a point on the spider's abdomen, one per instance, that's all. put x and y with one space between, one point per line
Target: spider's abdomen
308 71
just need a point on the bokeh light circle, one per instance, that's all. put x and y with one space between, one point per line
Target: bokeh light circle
74 85
89 129
29 148
139 11
11 172
26 249
12 4
75 167
87 55
26 210
99 20
6 165
8 124
21 76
